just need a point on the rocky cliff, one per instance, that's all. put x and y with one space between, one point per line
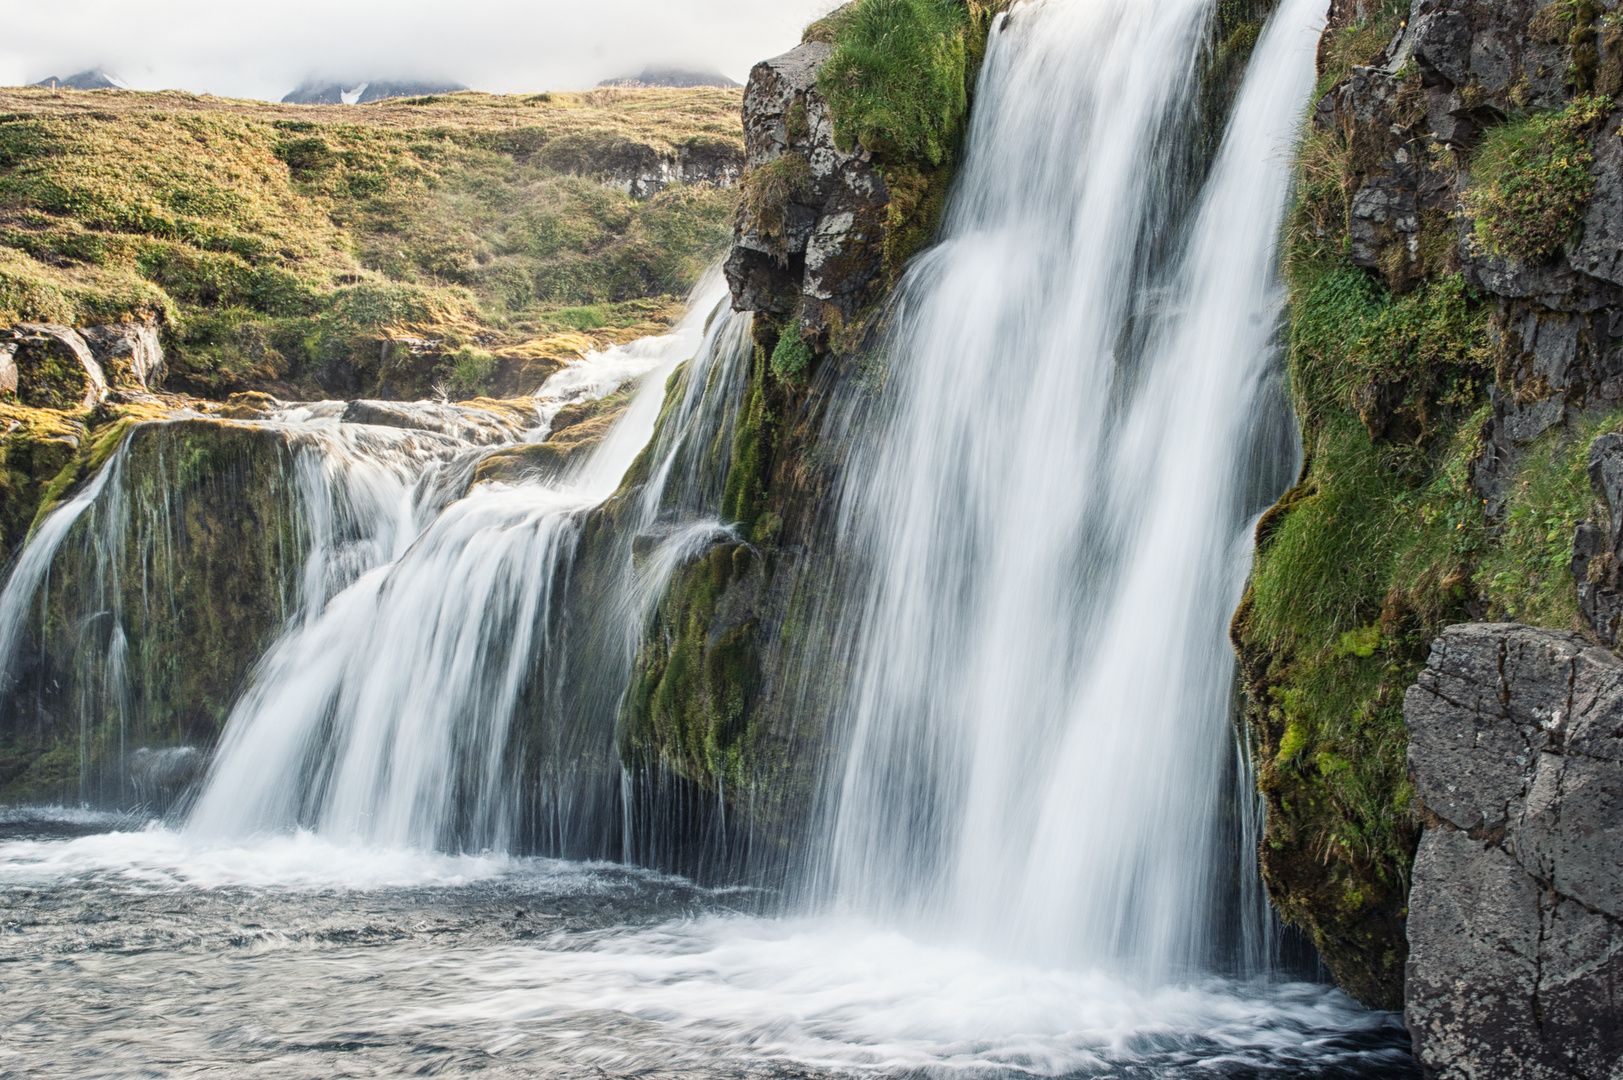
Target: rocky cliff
1453 357
1516 917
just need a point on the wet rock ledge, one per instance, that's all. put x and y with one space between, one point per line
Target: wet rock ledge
1515 926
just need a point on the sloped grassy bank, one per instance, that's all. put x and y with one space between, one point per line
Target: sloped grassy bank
1450 366
469 240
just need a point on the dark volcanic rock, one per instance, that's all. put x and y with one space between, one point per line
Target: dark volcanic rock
1516 911
823 248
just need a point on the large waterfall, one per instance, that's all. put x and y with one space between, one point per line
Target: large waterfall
1055 503
1024 838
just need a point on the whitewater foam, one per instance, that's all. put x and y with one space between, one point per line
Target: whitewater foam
840 994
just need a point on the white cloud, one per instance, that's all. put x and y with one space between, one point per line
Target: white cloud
263 48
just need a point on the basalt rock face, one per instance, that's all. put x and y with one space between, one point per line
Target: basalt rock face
1501 393
1515 928
641 170
811 234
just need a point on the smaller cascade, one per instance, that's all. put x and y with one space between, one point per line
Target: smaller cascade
462 693
223 564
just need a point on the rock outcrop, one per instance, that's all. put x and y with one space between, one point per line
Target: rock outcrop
1515 969
58 367
51 367
642 169
811 234
1597 546
1458 343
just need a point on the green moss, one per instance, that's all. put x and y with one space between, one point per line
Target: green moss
1531 182
792 356
37 446
696 677
748 474
468 372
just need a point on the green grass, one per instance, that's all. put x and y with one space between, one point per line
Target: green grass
1358 43
1526 573
899 79
273 241
1531 182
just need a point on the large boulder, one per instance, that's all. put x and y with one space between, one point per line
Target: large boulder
51 367
1515 967
813 221
130 354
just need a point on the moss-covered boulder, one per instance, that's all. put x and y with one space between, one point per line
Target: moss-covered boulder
575 431
51 367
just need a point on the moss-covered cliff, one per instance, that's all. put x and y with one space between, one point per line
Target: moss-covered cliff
1451 357
173 602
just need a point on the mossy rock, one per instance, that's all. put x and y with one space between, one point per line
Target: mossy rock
188 600
55 368
576 431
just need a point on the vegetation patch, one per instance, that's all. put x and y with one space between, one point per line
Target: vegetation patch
770 189
792 356
279 245
1358 42
898 81
697 674
1531 181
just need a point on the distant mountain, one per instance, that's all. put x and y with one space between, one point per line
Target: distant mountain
94 79
360 91
672 77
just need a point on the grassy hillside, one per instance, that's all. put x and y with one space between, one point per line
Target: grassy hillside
285 247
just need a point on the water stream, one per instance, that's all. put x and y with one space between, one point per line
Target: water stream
1030 849
1043 677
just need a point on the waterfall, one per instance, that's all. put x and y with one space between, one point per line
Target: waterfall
413 706
1054 498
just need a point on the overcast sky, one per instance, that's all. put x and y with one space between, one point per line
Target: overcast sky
263 48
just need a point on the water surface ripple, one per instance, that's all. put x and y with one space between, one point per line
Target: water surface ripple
131 950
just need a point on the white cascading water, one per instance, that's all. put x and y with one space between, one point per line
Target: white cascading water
385 716
1050 498
1054 508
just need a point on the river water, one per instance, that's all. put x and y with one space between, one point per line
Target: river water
128 949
